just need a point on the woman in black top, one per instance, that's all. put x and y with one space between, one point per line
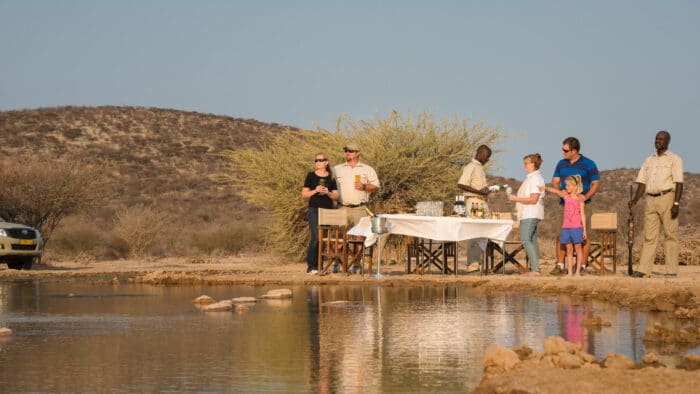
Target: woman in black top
321 191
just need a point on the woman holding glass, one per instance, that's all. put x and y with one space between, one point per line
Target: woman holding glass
530 209
321 191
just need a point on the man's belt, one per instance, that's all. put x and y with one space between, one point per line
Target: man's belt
661 193
477 197
353 205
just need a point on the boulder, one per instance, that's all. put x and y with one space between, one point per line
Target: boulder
5 332
221 306
690 362
685 313
203 300
618 361
569 361
650 358
556 345
498 359
278 294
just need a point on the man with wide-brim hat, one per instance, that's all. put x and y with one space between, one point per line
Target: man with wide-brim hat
355 180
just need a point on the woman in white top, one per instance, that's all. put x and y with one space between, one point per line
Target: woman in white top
530 209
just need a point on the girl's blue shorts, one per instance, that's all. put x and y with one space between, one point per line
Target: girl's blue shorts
571 236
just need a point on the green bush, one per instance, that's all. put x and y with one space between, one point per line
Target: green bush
416 159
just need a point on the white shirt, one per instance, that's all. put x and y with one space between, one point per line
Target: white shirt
345 179
531 186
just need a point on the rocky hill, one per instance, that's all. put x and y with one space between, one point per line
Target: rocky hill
152 155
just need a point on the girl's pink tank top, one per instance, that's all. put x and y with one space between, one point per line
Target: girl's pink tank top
572 213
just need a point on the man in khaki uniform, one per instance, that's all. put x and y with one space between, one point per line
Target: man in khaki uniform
473 182
661 178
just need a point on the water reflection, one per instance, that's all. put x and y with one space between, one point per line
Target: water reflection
134 338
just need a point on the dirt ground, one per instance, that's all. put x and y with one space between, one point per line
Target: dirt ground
678 297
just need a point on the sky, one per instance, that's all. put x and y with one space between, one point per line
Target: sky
611 73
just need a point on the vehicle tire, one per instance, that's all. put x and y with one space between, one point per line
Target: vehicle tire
22 263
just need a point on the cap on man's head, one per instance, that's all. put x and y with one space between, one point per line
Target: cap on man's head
351 146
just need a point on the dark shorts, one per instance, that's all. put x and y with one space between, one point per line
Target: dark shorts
571 236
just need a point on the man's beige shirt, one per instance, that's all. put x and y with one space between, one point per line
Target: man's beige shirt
345 179
473 175
661 173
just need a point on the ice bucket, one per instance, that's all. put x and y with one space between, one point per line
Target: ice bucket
380 225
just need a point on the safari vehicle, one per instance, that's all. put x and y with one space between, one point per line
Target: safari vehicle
19 245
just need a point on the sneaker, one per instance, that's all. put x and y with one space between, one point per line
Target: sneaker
313 272
473 267
557 271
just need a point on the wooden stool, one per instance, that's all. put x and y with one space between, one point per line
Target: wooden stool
605 225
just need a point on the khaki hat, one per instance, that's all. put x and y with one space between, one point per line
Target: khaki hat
351 146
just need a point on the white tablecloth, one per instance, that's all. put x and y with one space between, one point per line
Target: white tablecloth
438 228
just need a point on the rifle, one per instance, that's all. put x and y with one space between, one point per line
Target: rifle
630 234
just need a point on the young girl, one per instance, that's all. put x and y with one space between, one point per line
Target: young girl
573 228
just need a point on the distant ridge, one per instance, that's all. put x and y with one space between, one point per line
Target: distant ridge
153 155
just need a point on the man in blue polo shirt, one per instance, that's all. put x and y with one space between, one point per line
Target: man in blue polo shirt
574 163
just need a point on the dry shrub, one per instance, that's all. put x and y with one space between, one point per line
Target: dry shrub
40 192
231 239
80 238
416 158
139 226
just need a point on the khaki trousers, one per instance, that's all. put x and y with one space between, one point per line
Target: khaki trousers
657 215
476 246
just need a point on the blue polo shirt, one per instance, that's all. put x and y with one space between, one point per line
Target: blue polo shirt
583 166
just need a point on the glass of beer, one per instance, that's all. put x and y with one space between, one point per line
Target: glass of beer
322 182
357 177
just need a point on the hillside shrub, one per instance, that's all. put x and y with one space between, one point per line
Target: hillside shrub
230 239
40 193
416 159
78 238
139 227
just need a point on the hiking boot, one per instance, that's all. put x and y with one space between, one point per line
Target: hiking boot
557 271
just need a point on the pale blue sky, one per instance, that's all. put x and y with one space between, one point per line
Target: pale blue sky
609 72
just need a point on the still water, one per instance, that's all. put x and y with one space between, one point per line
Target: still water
139 338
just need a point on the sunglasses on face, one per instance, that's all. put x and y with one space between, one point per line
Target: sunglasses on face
565 150
320 160
351 151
